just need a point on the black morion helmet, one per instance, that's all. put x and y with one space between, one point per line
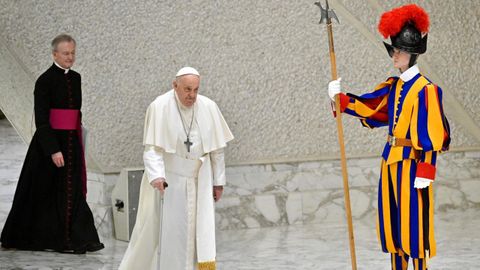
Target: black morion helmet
409 40
407 27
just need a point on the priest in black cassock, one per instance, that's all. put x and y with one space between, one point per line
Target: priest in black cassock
49 210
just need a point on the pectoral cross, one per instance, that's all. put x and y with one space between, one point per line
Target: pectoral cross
188 143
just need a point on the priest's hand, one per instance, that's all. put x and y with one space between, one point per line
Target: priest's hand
160 184
217 192
57 159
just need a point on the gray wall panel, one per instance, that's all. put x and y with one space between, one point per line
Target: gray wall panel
264 62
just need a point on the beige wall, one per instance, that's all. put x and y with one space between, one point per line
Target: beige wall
264 62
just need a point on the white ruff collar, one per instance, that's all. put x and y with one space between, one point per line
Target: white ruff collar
408 74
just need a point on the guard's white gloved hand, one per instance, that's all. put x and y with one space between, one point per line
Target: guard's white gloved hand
421 182
334 88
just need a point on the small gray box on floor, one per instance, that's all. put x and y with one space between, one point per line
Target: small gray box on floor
125 197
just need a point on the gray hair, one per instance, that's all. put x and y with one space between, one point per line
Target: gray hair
61 38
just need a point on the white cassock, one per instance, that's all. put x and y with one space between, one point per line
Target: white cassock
185 239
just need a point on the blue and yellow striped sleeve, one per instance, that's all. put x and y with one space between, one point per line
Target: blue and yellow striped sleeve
371 108
429 129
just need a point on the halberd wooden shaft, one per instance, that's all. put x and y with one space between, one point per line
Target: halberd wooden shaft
343 158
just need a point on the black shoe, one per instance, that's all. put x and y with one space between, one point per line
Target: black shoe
92 247
80 251
73 251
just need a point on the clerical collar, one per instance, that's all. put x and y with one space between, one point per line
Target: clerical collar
408 74
65 70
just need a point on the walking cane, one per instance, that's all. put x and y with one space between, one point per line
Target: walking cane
159 252
326 16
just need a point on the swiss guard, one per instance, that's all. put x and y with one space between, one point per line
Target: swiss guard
411 107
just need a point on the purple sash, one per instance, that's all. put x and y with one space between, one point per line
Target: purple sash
67 119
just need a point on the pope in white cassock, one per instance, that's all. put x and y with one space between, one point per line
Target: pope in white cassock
185 136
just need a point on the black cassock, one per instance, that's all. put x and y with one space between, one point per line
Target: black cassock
49 209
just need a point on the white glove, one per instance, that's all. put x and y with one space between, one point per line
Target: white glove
421 182
334 88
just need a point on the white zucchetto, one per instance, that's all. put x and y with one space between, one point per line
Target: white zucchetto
187 71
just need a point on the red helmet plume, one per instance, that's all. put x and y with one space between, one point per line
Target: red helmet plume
392 22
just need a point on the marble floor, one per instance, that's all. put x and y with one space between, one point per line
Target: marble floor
313 246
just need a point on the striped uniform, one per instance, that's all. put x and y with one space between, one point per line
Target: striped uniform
411 110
